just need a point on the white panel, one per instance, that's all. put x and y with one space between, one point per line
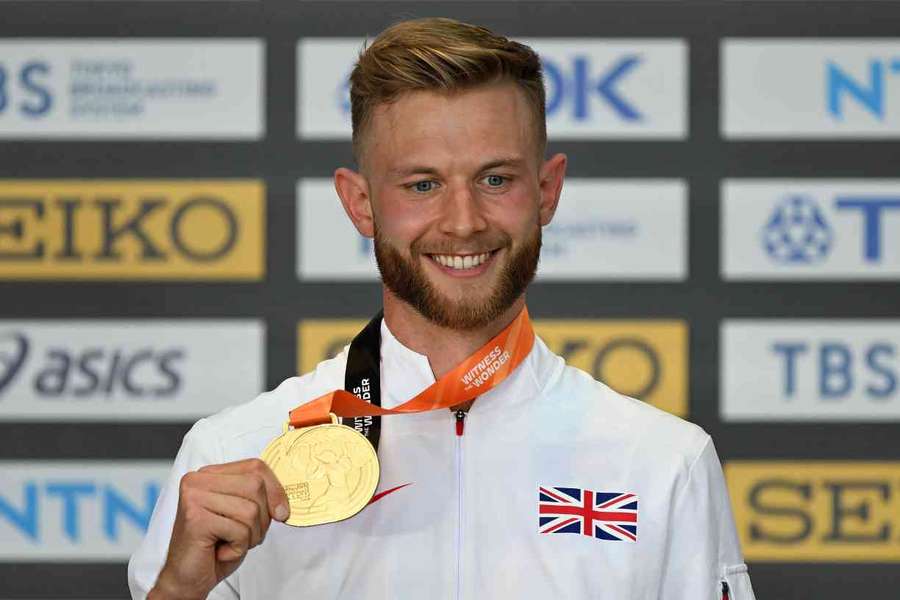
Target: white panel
323 92
619 230
115 370
604 229
596 88
803 89
810 370
614 89
328 246
132 89
824 229
76 510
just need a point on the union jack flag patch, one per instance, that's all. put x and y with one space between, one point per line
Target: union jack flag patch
603 515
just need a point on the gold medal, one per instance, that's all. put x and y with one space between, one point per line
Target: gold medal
329 472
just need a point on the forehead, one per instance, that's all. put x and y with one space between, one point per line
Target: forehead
483 121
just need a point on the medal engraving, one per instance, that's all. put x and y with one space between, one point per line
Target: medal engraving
329 472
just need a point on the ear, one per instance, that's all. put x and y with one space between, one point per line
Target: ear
353 191
553 171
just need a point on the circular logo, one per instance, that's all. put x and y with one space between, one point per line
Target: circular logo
630 366
797 232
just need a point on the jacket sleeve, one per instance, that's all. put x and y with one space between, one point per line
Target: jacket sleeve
199 448
703 554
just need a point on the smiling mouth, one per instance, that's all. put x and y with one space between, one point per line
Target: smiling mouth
462 262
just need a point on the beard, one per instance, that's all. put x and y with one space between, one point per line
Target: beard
406 278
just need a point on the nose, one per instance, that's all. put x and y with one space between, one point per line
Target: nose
461 213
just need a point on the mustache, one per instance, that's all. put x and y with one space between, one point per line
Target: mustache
474 246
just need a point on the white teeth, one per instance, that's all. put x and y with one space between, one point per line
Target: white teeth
461 262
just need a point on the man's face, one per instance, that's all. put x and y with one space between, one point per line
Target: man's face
454 185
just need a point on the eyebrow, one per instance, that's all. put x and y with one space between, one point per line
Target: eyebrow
512 161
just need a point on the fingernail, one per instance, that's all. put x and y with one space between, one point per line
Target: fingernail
282 512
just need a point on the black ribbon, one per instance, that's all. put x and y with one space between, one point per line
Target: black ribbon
362 376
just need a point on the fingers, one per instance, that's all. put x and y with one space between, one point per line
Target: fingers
243 511
223 512
241 488
235 535
276 501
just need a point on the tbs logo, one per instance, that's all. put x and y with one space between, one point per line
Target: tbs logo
24 89
838 370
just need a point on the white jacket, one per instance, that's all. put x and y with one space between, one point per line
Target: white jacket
467 524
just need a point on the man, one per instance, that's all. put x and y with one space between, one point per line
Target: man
449 135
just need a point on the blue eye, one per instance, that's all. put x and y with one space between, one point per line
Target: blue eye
423 186
495 180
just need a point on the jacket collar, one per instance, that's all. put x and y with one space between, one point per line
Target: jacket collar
405 373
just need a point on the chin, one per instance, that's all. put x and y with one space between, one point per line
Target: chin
465 293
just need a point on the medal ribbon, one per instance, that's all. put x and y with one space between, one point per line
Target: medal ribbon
482 371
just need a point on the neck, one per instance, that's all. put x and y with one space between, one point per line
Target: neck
445 348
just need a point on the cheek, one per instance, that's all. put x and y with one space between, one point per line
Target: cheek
400 222
518 214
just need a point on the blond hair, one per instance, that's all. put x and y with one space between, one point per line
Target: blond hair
441 55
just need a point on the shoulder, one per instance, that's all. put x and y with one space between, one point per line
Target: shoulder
242 428
594 411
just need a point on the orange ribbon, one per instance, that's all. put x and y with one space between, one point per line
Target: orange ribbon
482 371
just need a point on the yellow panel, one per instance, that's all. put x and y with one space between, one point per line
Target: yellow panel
816 511
319 339
132 229
645 359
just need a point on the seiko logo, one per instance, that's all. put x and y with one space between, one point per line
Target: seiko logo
139 229
788 500
816 510
118 225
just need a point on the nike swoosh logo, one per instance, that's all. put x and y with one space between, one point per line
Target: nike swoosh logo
381 495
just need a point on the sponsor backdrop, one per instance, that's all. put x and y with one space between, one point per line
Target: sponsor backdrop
727 249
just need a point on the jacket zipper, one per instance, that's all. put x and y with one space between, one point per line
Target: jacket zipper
725 591
460 429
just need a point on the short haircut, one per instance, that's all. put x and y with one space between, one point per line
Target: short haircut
444 55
